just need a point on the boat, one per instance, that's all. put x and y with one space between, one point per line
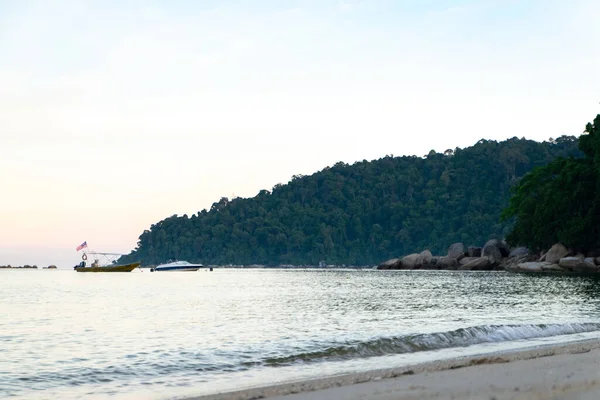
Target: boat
177 266
104 262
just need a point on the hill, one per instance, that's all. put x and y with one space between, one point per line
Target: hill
359 214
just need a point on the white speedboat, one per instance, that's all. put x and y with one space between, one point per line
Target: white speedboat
177 266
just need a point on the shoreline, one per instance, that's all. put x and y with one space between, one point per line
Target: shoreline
536 372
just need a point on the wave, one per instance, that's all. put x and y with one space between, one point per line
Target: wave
433 341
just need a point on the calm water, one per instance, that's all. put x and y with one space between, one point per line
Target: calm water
171 335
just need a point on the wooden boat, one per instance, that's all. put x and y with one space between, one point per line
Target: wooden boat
109 263
109 268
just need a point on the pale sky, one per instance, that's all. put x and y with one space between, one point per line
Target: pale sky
115 114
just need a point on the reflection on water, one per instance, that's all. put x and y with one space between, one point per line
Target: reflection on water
69 335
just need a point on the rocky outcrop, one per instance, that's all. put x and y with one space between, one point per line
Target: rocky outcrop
394 263
474 251
456 251
424 259
446 262
501 245
481 263
410 261
495 255
556 252
519 251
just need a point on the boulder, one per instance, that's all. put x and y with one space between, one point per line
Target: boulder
531 266
394 263
424 258
550 267
456 251
510 264
410 261
590 260
501 245
474 251
466 260
569 262
492 252
556 252
576 264
446 262
480 263
519 251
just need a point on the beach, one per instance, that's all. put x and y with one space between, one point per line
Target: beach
564 371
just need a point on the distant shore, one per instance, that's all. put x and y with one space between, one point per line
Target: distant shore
555 371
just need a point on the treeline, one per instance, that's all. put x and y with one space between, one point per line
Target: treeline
560 202
359 214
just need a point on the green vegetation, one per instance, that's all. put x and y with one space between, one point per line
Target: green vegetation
359 214
560 202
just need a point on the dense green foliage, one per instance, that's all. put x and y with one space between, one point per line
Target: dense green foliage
560 202
359 214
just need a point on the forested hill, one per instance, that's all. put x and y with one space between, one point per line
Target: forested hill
359 214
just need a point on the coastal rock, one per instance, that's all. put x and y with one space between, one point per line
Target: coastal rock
466 260
556 252
394 263
550 267
52 267
474 251
590 260
446 262
410 261
456 251
532 266
569 262
511 263
501 245
480 263
576 264
519 251
424 258
492 252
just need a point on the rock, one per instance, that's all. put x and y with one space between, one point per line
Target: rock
590 260
52 267
424 258
501 245
394 263
585 268
569 262
456 251
576 264
531 266
480 263
519 251
581 256
447 262
474 251
410 261
492 252
510 264
466 260
556 252
550 267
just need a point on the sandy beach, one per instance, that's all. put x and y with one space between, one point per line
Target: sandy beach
566 371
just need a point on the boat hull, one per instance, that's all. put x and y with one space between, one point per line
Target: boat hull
111 268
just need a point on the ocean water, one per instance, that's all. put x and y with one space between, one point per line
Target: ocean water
146 335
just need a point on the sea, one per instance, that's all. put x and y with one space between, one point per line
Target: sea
173 335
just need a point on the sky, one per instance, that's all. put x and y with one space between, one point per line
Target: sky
115 114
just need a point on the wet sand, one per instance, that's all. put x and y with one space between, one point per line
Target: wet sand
567 371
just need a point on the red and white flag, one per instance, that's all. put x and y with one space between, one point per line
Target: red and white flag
81 246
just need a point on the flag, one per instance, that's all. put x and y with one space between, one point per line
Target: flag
81 246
